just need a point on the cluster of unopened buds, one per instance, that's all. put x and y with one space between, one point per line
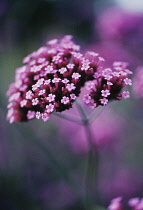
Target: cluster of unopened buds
133 203
52 77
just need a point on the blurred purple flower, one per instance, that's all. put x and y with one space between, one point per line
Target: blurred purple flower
138 83
125 28
113 51
115 204
134 203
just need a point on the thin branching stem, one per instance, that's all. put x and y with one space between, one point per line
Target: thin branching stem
68 117
94 115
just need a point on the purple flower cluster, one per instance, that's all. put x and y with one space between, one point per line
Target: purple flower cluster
52 77
134 203
108 84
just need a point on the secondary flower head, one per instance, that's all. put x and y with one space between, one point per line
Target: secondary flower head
50 80
108 85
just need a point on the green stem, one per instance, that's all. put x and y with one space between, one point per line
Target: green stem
91 169
82 112
91 161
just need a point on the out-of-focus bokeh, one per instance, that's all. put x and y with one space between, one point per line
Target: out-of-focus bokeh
36 157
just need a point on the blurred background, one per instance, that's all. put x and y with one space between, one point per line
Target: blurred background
36 157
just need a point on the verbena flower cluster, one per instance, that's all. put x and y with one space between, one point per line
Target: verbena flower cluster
108 84
134 203
52 77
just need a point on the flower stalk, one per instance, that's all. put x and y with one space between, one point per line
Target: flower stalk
92 159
